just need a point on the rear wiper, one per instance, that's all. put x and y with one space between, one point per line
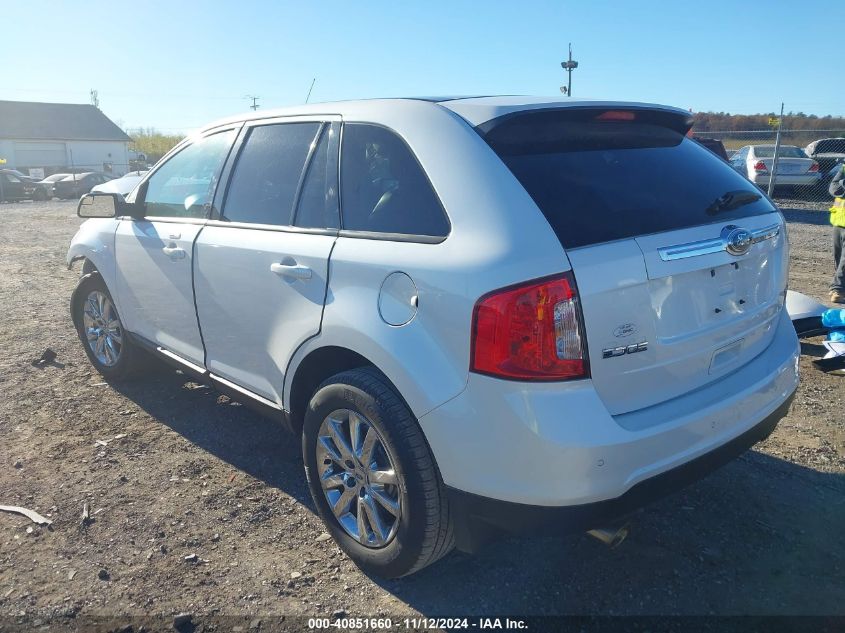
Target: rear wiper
732 200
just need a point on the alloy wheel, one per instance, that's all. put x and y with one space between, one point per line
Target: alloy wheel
103 329
358 478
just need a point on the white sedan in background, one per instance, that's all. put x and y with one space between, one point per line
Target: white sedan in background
795 168
123 185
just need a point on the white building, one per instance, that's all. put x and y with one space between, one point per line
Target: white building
55 137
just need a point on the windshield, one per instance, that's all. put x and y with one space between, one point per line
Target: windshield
597 181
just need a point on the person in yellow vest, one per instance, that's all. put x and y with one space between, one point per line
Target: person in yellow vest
837 219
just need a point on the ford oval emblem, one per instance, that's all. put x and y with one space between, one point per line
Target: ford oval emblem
625 330
737 241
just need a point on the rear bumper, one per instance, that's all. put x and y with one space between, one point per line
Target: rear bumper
475 515
555 444
793 180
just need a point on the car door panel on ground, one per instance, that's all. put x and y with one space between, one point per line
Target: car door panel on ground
154 254
261 267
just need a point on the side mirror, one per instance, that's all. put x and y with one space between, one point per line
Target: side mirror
101 205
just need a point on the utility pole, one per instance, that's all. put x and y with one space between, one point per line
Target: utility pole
95 100
255 99
568 66
776 157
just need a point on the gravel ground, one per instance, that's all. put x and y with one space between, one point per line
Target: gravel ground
199 505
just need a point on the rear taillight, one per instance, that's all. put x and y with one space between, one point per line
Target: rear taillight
530 332
760 166
814 166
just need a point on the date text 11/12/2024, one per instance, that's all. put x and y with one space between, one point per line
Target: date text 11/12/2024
416 624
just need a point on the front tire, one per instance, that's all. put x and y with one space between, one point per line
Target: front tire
372 476
100 330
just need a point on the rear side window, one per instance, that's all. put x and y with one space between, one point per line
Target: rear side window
266 176
599 178
383 187
317 208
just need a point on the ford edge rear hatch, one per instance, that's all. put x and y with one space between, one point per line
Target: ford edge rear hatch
680 262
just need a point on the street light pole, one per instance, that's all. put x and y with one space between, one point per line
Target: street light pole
568 66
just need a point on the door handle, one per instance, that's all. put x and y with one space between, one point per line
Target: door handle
174 252
292 271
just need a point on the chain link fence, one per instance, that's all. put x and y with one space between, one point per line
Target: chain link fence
803 166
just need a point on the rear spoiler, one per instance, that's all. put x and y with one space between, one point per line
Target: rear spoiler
672 118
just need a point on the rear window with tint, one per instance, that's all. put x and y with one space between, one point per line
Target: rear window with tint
831 146
603 180
786 151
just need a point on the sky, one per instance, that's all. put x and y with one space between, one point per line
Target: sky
176 65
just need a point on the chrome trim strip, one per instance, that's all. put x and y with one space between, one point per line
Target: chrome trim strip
234 387
691 249
766 233
179 359
714 245
246 392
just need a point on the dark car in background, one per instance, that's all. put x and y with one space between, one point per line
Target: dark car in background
21 175
714 145
77 185
827 152
16 186
42 191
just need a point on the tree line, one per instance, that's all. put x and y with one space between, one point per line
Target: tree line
152 143
155 144
726 122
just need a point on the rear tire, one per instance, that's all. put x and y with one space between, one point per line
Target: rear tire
101 332
412 528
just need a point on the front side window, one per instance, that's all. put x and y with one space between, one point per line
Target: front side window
266 176
383 187
183 186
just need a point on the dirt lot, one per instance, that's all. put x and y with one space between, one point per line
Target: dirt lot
170 469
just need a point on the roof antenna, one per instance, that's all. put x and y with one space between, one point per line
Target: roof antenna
313 81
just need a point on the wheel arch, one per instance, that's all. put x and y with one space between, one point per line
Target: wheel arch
316 366
88 267
93 246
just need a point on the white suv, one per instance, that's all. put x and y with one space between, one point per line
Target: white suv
478 314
